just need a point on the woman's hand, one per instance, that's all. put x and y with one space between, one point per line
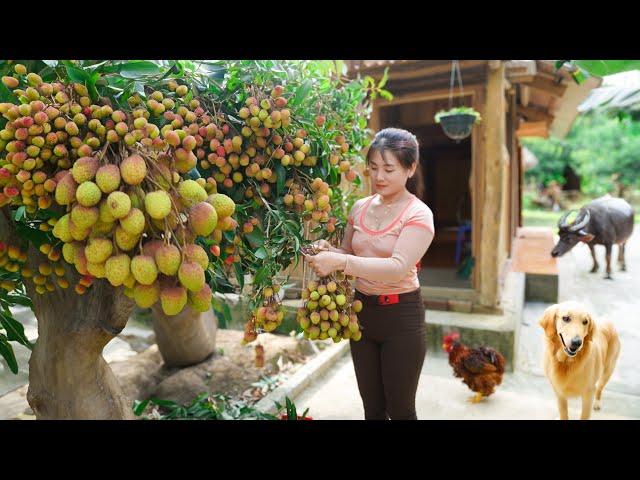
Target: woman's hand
326 262
322 244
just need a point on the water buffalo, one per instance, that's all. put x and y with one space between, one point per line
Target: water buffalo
603 221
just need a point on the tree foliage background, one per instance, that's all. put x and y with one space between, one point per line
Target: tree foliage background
602 148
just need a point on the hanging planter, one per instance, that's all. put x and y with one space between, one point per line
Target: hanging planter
457 123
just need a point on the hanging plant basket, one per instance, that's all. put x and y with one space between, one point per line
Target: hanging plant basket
457 123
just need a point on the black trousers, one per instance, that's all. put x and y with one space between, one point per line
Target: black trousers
389 356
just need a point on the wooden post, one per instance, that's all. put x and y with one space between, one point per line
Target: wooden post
476 186
493 171
514 172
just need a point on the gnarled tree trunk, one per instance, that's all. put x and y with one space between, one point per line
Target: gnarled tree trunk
184 339
68 377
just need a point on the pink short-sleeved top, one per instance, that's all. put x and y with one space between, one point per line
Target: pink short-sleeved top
366 242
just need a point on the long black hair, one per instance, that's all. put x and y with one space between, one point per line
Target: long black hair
404 146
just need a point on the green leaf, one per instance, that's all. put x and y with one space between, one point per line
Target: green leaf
385 77
261 253
239 274
138 87
301 93
165 403
7 352
387 95
291 409
17 299
51 63
15 330
138 69
333 175
91 86
260 275
601 68
75 74
19 213
37 237
139 407
256 238
6 95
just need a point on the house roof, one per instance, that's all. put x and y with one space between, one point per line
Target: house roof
612 97
544 93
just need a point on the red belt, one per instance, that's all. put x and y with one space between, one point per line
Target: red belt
388 299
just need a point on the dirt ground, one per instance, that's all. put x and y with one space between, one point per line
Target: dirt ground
231 371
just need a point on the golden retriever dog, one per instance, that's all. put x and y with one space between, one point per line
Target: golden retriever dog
580 355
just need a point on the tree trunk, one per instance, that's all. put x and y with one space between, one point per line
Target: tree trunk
184 339
68 377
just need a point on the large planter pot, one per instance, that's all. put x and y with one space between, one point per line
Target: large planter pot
184 339
458 126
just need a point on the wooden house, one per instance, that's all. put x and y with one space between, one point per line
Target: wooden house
474 187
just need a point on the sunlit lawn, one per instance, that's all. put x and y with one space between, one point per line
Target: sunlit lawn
544 218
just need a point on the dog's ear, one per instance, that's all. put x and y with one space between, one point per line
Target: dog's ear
548 320
590 327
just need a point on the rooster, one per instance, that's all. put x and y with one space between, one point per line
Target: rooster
480 368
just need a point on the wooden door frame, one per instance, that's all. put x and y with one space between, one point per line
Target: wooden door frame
476 92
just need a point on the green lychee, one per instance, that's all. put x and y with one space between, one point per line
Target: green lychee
203 218
84 217
133 222
88 194
66 190
168 259
144 269
118 269
157 204
200 301
223 204
195 253
61 230
98 250
191 193
108 178
101 228
133 169
105 212
124 240
69 251
96 269
78 233
119 204
191 276
84 169
146 295
173 300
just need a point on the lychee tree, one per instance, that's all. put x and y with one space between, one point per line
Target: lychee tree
125 182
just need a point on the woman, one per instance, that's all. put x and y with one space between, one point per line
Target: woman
386 236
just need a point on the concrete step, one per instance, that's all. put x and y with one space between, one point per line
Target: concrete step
496 331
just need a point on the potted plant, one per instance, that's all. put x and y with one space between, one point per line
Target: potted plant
457 122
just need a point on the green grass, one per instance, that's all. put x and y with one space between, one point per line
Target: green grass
544 218
540 218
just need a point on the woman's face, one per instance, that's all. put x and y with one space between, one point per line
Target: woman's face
387 174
